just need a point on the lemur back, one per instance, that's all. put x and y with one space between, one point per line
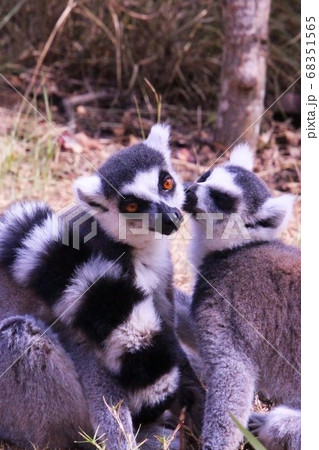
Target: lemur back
246 306
113 293
41 398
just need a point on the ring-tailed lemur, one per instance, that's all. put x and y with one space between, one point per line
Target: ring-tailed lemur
246 305
113 287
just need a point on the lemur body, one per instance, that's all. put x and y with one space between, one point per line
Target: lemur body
246 305
114 293
33 370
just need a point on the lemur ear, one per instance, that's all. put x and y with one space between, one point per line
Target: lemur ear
276 213
242 156
88 191
159 139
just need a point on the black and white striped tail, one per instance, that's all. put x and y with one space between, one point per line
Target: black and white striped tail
97 297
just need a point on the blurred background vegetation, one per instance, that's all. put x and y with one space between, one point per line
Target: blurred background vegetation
175 44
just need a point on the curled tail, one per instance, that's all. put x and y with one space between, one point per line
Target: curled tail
95 295
33 249
17 225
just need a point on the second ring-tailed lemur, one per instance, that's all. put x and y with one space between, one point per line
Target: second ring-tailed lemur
112 290
246 305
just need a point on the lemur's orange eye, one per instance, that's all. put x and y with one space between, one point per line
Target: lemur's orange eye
168 184
131 207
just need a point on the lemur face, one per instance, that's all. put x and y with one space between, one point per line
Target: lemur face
136 193
231 188
232 193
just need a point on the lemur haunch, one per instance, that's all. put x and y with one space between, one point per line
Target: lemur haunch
246 305
114 294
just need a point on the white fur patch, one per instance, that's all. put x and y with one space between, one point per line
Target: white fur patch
17 213
87 187
158 139
132 335
144 185
282 425
210 235
178 198
34 245
221 180
155 393
84 277
281 207
284 205
242 156
20 211
282 413
151 264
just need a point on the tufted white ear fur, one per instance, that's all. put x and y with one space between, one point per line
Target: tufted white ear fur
278 211
242 156
158 139
87 189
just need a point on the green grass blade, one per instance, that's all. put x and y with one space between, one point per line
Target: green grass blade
253 441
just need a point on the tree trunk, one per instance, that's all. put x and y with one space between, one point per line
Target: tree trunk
243 75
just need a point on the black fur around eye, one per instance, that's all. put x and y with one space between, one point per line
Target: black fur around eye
166 177
140 205
97 205
224 201
204 176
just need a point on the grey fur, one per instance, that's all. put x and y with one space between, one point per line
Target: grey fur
278 429
102 391
246 307
238 362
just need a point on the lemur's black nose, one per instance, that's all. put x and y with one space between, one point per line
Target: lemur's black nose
171 220
176 215
167 219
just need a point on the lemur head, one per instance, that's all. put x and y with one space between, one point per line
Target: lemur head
135 193
231 206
